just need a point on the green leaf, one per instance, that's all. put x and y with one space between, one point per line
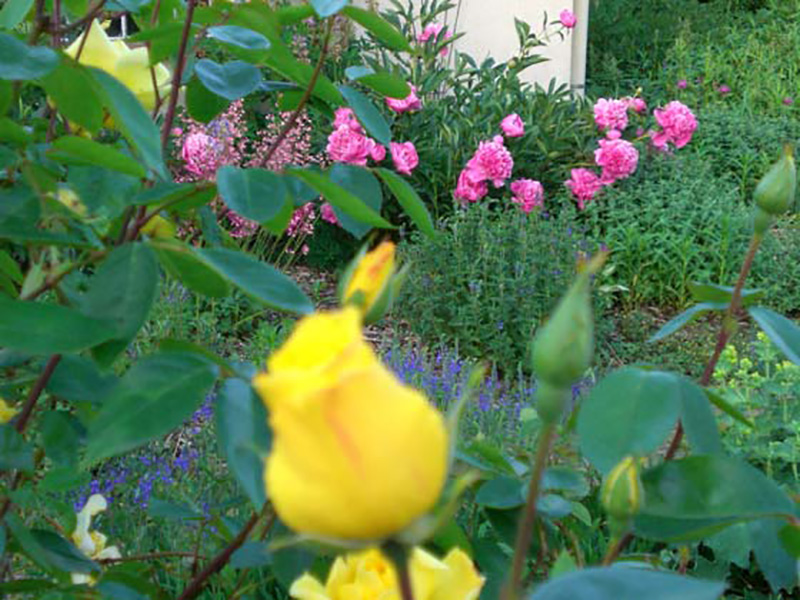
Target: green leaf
239 36
564 479
170 510
698 419
293 13
122 292
39 328
722 294
10 267
63 479
203 105
790 538
783 332
362 184
252 555
28 543
291 562
62 554
134 122
6 96
779 566
79 380
691 498
501 493
717 400
259 280
14 12
244 436
386 84
622 582
18 61
155 396
105 193
408 198
369 116
630 412
257 194
61 436
181 262
74 150
232 81
74 91
340 198
686 317
384 31
15 452
327 8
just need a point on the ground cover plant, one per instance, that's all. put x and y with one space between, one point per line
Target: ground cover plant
181 418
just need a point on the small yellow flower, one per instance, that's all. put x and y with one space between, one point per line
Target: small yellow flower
356 454
371 277
369 574
91 543
130 66
6 412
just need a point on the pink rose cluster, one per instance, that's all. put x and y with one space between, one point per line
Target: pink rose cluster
431 32
618 158
493 162
348 144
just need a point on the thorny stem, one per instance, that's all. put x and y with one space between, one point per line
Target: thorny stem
525 529
290 123
725 333
177 76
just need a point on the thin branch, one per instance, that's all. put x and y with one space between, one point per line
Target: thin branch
150 556
36 391
292 121
196 585
177 76
88 18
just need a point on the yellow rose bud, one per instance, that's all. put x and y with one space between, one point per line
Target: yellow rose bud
622 493
356 454
130 66
160 228
6 412
369 574
370 281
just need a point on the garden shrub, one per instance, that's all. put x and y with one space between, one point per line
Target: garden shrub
675 222
487 281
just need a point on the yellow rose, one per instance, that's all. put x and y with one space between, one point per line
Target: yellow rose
369 574
371 277
356 454
130 66
6 412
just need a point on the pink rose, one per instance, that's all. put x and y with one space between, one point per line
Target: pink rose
348 146
471 187
513 126
611 114
492 161
724 89
567 18
678 124
328 215
176 131
637 105
407 104
197 153
376 151
431 32
618 158
682 84
584 184
346 117
788 101
528 193
404 156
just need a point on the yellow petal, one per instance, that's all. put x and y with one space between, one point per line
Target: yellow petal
463 582
308 588
98 51
371 275
6 412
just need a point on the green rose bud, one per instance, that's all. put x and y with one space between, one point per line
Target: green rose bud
563 348
775 192
622 493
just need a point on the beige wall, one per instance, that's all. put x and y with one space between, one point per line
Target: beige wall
488 27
